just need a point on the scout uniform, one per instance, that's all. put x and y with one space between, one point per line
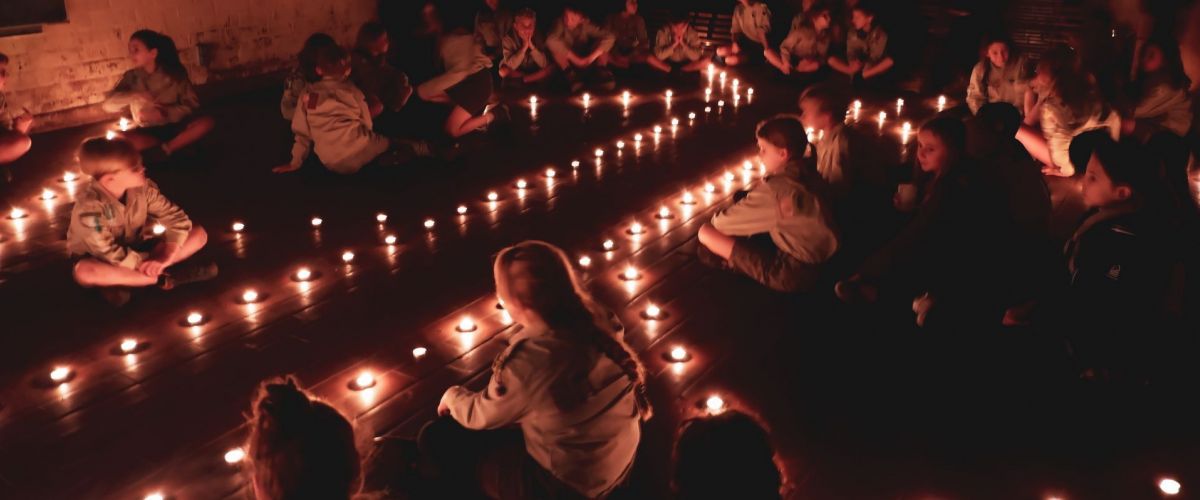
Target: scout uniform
591 447
490 28
177 98
375 77
1167 107
517 58
665 51
333 119
630 32
991 84
1060 124
803 42
111 230
870 47
752 22
585 38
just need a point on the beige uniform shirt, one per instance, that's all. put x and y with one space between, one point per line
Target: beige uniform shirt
105 228
586 37
803 42
333 119
517 58
789 206
753 21
1007 84
665 50
1167 107
870 47
1060 124
177 98
491 27
630 32
590 448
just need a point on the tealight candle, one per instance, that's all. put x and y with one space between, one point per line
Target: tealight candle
317 221
653 311
154 496
550 173
466 324
585 261
390 239
750 92
492 196
521 184
587 100
159 229
17 213
533 100
238 226
609 245
630 273
48 195
69 176
736 82
707 92
692 115
574 163
347 256
708 109
709 187
899 105
811 133
234 456
110 135
429 223
688 199
637 137
714 404
249 296
625 95
364 380
657 129
462 210
303 274
636 228
721 103
123 124
419 352
599 152
194 318
728 176
60 374
882 118
747 165
664 213
857 105
905 130
1169 486
381 217
679 354
128 346
620 144
674 122
941 103
722 76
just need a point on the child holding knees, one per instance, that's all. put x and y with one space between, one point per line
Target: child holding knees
632 40
303 74
789 207
677 47
334 120
750 29
14 129
581 49
160 98
866 46
526 60
113 226
806 48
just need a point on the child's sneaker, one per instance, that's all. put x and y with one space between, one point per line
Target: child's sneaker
188 273
116 295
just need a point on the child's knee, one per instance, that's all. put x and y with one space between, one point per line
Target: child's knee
84 272
204 124
198 235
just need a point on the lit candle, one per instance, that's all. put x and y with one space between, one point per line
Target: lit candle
905 130
250 296
347 256
679 354
747 165
17 213
419 352
521 184
533 100
585 261
599 152
364 380
303 274
158 229
674 122
882 118
721 103
857 107
750 92
637 137
154 496
194 318
636 228
466 325
60 374
550 173
620 144
708 109
69 176
123 124
728 176
941 103
657 129
664 213
899 105
390 239
670 93
429 223
48 194
587 100
609 245
110 135
381 217
688 199
462 210
722 77
625 98
692 115
317 221
736 82
653 311
1169 486
238 226
630 273
707 93
574 163
709 187
492 196
811 133
129 345
714 404
234 456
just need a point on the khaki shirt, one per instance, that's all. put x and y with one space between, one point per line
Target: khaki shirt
630 32
664 42
1060 124
590 448
585 37
177 98
334 120
753 21
6 118
516 57
843 169
1007 84
803 42
105 228
791 207
1167 107
491 27
869 48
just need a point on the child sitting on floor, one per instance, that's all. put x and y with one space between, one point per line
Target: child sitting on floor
492 23
14 130
677 47
750 29
581 49
385 87
999 77
128 233
725 456
160 98
466 81
303 74
789 205
866 46
333 119
806 48
855 176
561 415
300 446
526 61
1160 96
632 40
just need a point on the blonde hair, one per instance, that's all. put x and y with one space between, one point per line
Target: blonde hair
99 156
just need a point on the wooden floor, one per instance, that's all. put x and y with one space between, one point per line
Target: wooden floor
860 404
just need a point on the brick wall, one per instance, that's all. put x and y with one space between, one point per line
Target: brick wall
63 72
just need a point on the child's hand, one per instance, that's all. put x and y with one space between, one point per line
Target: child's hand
23 123
152 268
856 66
285 168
